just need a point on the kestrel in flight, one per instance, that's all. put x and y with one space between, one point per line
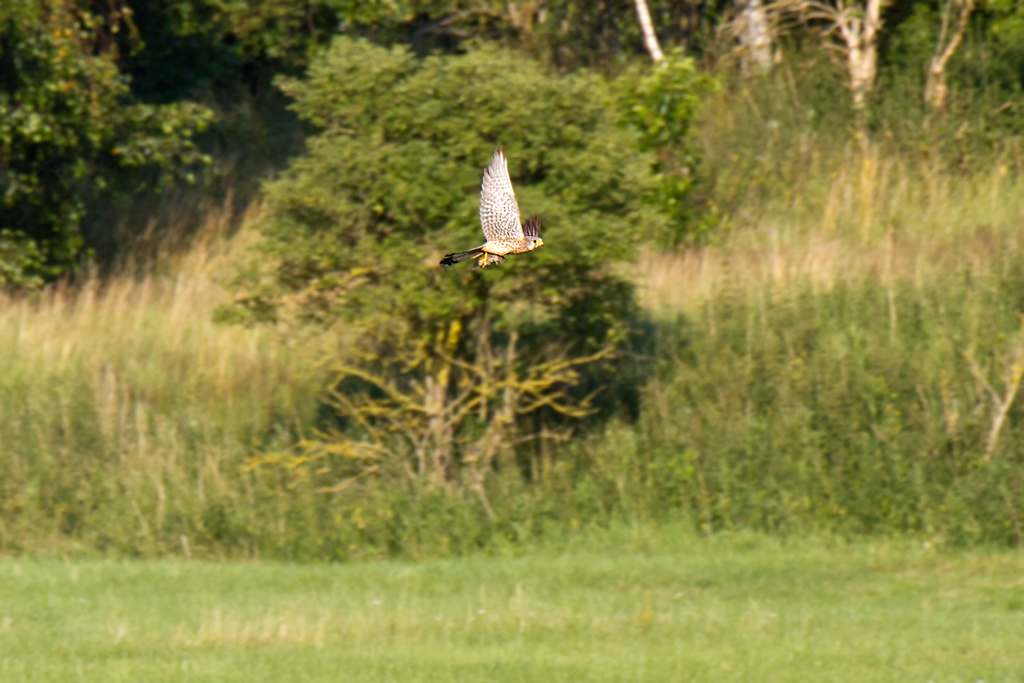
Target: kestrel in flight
499 217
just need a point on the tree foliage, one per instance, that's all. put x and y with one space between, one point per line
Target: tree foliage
357 226
661 104
67 126
359 223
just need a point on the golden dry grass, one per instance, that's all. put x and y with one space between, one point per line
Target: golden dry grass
874 218
159 323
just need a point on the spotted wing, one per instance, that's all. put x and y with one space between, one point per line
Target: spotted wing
499 213
531 228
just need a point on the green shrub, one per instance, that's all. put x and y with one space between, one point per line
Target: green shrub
359 223
357 226
68 127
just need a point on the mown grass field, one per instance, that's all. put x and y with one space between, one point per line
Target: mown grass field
634 607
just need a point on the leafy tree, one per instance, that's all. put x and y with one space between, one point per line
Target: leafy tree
359 223
661 105
567 33
68 126
356 227
574 33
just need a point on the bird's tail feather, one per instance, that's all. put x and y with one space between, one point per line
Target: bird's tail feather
452 259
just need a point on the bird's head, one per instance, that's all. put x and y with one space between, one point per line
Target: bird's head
531 230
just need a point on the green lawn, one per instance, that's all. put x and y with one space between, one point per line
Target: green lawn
741 608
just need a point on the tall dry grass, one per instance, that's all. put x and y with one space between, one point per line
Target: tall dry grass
860 215
123 400
847 353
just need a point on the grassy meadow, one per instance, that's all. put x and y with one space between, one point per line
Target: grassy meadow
630 605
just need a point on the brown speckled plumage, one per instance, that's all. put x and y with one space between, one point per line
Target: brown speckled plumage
499 218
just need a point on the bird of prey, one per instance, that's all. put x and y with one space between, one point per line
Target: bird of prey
499 217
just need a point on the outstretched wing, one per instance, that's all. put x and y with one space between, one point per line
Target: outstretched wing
499 213
531 228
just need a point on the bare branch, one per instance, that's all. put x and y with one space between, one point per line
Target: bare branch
935 91
1001 404
418 413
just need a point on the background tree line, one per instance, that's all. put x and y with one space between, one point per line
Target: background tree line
103 98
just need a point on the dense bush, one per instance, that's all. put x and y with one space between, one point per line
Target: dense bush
68 126
359 223
357 226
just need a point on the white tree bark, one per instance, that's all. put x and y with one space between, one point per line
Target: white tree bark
860 35
855 27
754 35
935 90
647 27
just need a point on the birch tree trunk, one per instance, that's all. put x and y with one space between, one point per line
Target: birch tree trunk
855 27
935 89
755 36
647 27
861 37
